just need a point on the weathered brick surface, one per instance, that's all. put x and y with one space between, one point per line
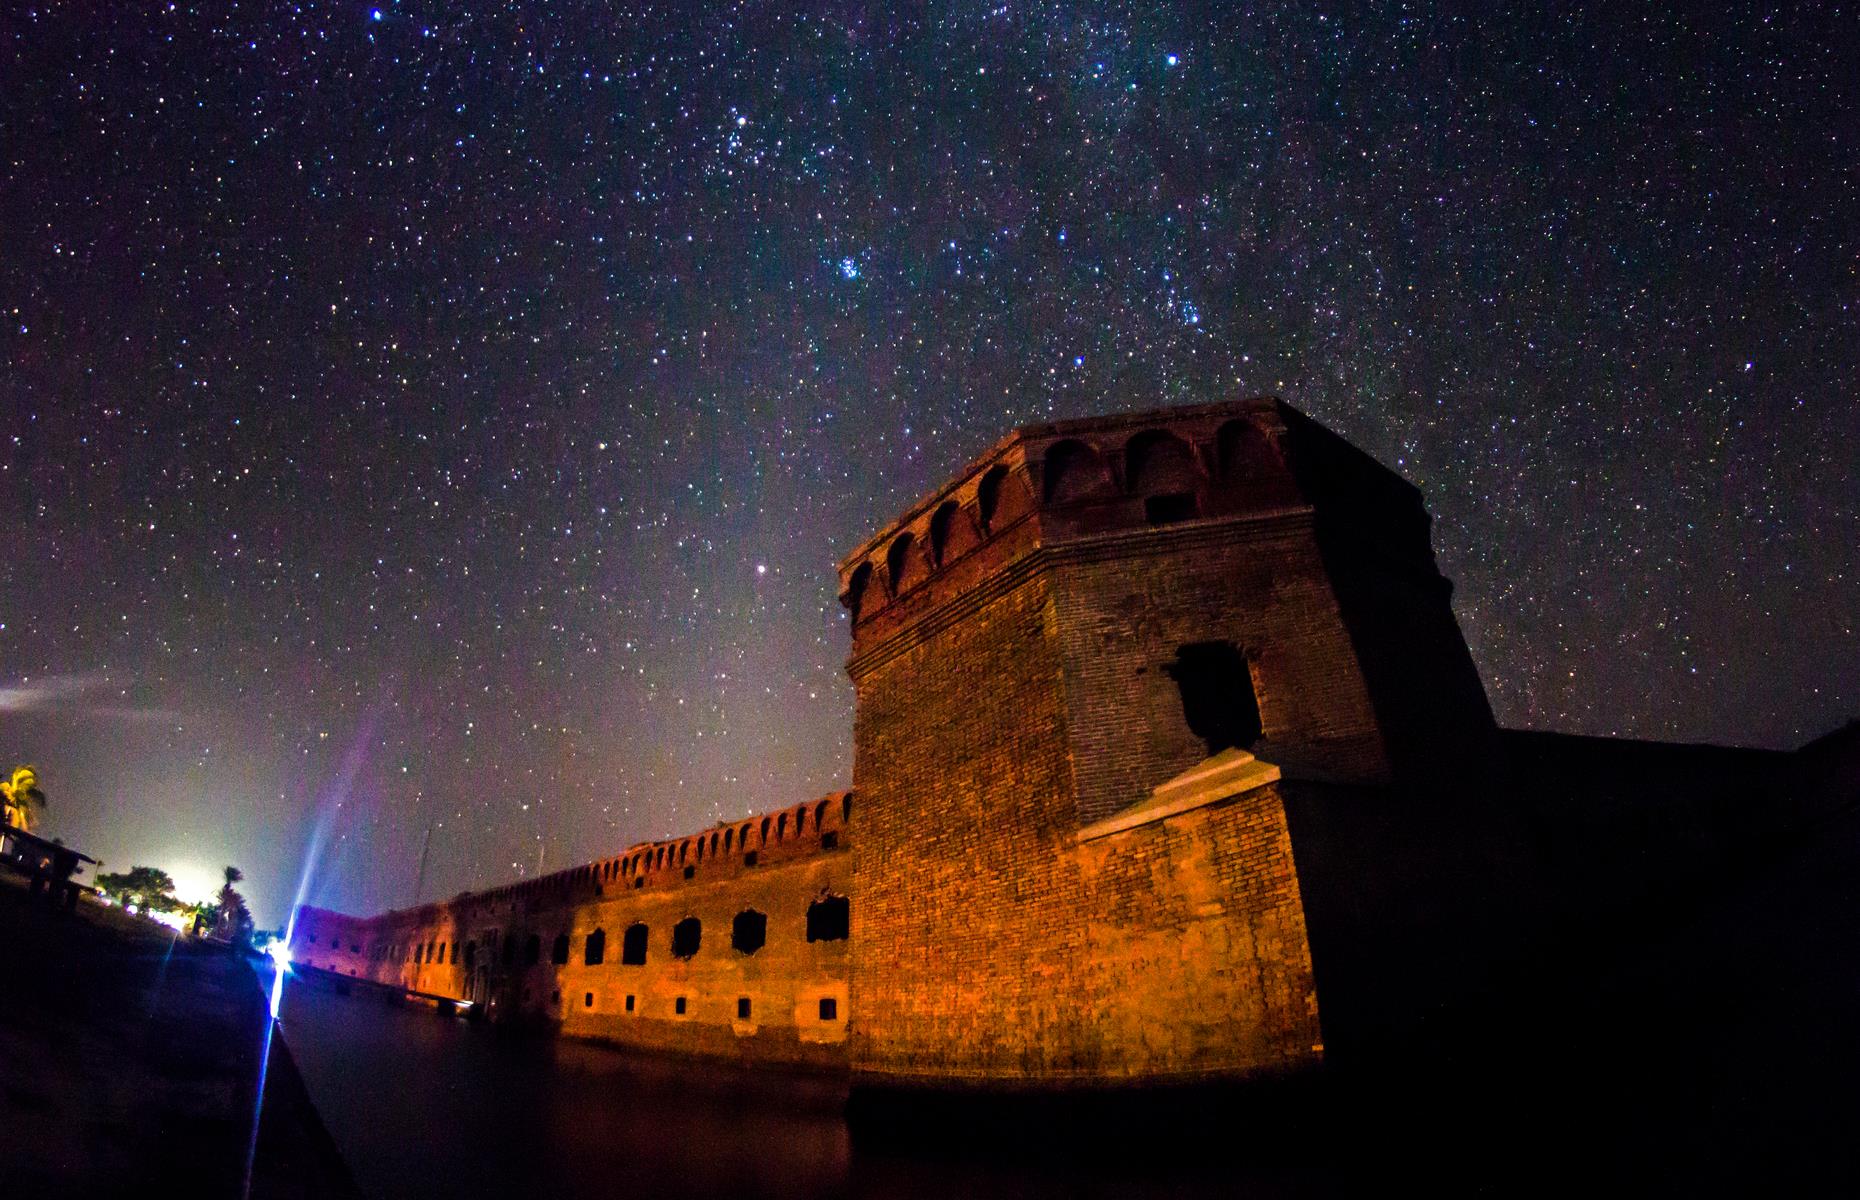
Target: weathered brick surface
784 980
967 929
1012 641
1197 957
988 943
1125 605
1009 694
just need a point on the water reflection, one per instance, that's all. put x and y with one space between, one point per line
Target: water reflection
423 1105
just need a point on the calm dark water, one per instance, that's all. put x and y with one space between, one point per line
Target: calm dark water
428 1106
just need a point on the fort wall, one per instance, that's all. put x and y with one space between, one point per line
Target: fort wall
730 943
1023 647
1171 765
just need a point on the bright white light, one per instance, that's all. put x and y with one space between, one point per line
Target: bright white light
280 953
172 920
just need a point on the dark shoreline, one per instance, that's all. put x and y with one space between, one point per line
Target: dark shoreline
133 1061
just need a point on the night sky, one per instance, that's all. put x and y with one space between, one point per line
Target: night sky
449 415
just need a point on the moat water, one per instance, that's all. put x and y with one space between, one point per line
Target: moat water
422 1105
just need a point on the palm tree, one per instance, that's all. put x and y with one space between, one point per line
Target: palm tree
233 918
25 802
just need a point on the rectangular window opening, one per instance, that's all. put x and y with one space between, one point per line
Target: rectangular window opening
587 1001
678 1006
742 1008
1169 508
829 1009
629 1004
749 860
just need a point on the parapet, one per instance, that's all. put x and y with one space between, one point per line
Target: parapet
1044 485
723 850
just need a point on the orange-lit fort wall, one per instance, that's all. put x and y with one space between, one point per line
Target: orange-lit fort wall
1166 745
1058 878
730 943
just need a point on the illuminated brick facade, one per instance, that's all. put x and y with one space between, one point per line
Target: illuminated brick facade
761 974
1154 719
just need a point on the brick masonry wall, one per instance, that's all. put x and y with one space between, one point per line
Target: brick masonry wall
1197 956
1125 605
989 945
966 935
785 980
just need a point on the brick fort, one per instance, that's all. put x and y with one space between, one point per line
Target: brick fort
1170 765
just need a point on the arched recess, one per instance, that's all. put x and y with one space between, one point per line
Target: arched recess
1001 498
1073 471
1160 468
1158 461
951 533
558 952
904 566
856 588
596 950
1243 450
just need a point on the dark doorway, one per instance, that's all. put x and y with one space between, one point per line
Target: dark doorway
1217 694
687 936
633 946
829 919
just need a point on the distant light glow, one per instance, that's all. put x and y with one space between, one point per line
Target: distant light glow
280 953
849 267
174 921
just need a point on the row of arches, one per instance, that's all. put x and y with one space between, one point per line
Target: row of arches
1157 465
773 829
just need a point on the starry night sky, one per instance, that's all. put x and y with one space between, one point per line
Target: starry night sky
449 415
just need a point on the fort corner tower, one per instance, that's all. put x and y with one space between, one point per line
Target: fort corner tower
1086 671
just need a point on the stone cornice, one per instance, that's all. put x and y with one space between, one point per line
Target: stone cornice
1103 547
1225 776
